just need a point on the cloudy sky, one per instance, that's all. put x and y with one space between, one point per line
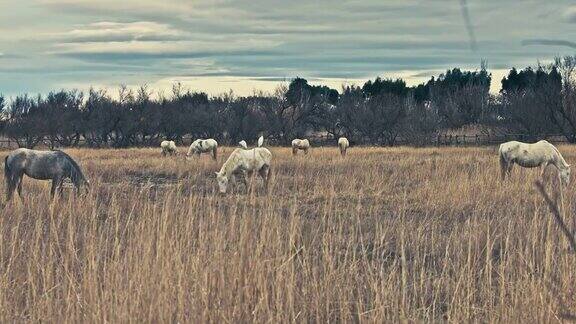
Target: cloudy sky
217 45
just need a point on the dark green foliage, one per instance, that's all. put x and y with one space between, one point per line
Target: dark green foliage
529 79
387 86
536 102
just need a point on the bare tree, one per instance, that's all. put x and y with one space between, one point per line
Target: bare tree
24 122
566 66
421 124
376 118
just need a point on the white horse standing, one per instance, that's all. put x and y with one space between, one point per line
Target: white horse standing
243 162
200 146
168 147
540 154
343 144
300 144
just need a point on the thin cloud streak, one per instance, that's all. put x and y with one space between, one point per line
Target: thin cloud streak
549 42
468 23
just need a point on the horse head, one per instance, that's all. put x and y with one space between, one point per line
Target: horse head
565 175
80 182
222 182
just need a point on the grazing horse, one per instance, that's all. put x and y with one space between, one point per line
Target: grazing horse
168 147
343 144
242 163
41 165
300 144
540 154
200 146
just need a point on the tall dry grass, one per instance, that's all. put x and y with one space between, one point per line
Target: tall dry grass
381 235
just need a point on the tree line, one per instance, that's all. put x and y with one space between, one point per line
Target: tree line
533 101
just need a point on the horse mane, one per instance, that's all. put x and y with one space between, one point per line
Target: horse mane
76 172
193 147
197 142
560 157
230 162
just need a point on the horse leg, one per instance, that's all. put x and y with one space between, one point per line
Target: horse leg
61 187
56 182
214 154
509 169
244 177
10 187
294 151
19 179
265 175
543 170
53 188
8 192
306 151
503 170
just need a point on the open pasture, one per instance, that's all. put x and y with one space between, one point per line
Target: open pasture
383 234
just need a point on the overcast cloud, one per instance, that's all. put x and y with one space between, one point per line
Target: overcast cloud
239 44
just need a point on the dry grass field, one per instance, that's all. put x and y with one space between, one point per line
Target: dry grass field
383 235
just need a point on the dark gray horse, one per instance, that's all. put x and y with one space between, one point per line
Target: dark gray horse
41 165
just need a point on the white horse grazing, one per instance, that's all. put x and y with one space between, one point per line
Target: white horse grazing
540 154
168 147
242 163
343 144
200 146
300 144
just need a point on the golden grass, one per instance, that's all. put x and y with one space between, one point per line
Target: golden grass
385 234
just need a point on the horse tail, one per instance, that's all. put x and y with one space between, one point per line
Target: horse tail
6 166
7 172
560 156
501 156
10 179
